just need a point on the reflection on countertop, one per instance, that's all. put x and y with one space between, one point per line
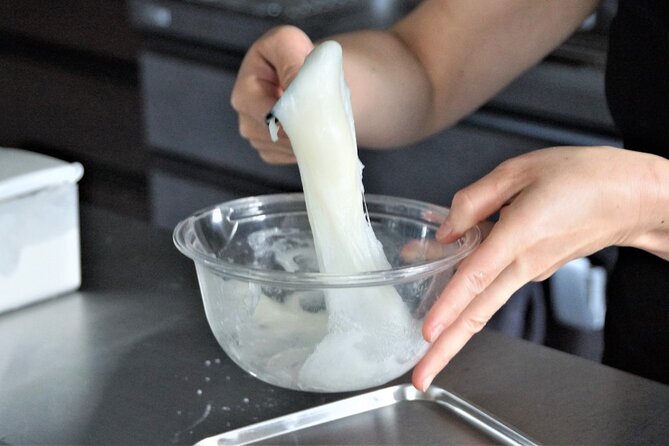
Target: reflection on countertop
129 359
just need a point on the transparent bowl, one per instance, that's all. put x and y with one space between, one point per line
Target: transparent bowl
287 324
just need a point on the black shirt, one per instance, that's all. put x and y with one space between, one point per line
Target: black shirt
637 74
637 89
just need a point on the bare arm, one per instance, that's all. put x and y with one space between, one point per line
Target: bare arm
431 69
447 58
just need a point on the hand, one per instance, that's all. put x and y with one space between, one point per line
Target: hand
554 205
428 71
266 71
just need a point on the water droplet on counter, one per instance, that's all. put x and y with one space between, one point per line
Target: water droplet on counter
246 400
207 379
199 391
207 363
217 360
225 409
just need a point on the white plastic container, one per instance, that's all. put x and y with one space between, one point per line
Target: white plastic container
39 228
578 295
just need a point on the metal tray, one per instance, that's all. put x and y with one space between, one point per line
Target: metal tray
393 415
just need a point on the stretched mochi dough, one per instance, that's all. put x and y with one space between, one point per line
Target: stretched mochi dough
371 336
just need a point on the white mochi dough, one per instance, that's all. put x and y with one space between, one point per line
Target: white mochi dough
371 336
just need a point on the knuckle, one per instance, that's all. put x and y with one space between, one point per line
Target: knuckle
235 99
284 31
476 282
463 201
475 323
265 156
242 94
287 32
448 313
241 90
526 268
543 276
507 166
260 146
541 273
245 129
271 158
506 177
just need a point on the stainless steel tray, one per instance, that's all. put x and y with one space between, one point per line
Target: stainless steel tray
393 415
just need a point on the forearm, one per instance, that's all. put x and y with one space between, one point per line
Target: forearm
445 59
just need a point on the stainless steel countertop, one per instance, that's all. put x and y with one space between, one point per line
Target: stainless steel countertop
129 359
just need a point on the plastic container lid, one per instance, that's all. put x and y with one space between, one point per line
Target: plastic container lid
23 172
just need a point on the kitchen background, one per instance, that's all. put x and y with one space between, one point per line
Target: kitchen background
138 92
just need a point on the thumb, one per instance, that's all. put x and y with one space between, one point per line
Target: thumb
286 48
479 201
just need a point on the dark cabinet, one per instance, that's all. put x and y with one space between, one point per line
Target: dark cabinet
69 88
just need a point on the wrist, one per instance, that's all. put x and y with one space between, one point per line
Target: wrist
652 233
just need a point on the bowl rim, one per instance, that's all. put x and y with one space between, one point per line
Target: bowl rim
313 280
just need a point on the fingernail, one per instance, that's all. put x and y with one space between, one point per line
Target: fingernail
426 383
444 230
436 331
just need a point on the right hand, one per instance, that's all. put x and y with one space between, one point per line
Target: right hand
266 71
554 205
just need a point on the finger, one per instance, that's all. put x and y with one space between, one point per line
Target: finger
423 250
258 134
481 199
285 51
426 249
256 87
470 322
269 65
473 276
279 152
486 228
272 157
281 147
254 97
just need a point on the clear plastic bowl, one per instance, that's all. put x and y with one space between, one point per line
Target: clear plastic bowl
287 324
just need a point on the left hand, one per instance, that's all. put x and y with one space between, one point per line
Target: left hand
266 71
554 205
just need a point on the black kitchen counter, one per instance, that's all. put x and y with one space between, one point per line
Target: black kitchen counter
130 359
